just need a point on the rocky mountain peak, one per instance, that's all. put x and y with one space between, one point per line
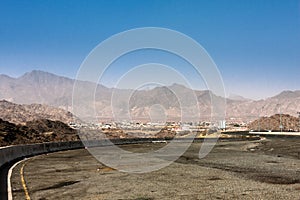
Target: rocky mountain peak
288 94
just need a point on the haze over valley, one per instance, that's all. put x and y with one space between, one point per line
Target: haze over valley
39 87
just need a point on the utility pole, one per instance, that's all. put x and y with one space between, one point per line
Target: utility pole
270 129
280 126
280 118
299 121
260 124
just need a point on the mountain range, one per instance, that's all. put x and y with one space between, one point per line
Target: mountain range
40 87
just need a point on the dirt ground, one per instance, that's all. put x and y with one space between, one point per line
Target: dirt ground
266 169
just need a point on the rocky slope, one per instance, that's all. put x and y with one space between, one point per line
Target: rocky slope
37 131
20 114
288 122
287 102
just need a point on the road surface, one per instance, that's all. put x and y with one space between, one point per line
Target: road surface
268 169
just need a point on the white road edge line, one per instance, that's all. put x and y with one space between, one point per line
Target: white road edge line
9 190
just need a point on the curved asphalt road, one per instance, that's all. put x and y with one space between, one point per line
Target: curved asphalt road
3 179
5 168
233 170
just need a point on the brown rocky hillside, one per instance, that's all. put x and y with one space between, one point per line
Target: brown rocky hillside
289 123
20 114
37 131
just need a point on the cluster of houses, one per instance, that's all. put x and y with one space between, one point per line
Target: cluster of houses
152 126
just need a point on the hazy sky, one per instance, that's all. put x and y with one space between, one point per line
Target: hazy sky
255 44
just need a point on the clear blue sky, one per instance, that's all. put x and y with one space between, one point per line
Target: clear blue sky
255 43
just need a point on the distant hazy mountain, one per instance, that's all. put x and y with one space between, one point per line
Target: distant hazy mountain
46 88
237 97
288 95
36 87
287 102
